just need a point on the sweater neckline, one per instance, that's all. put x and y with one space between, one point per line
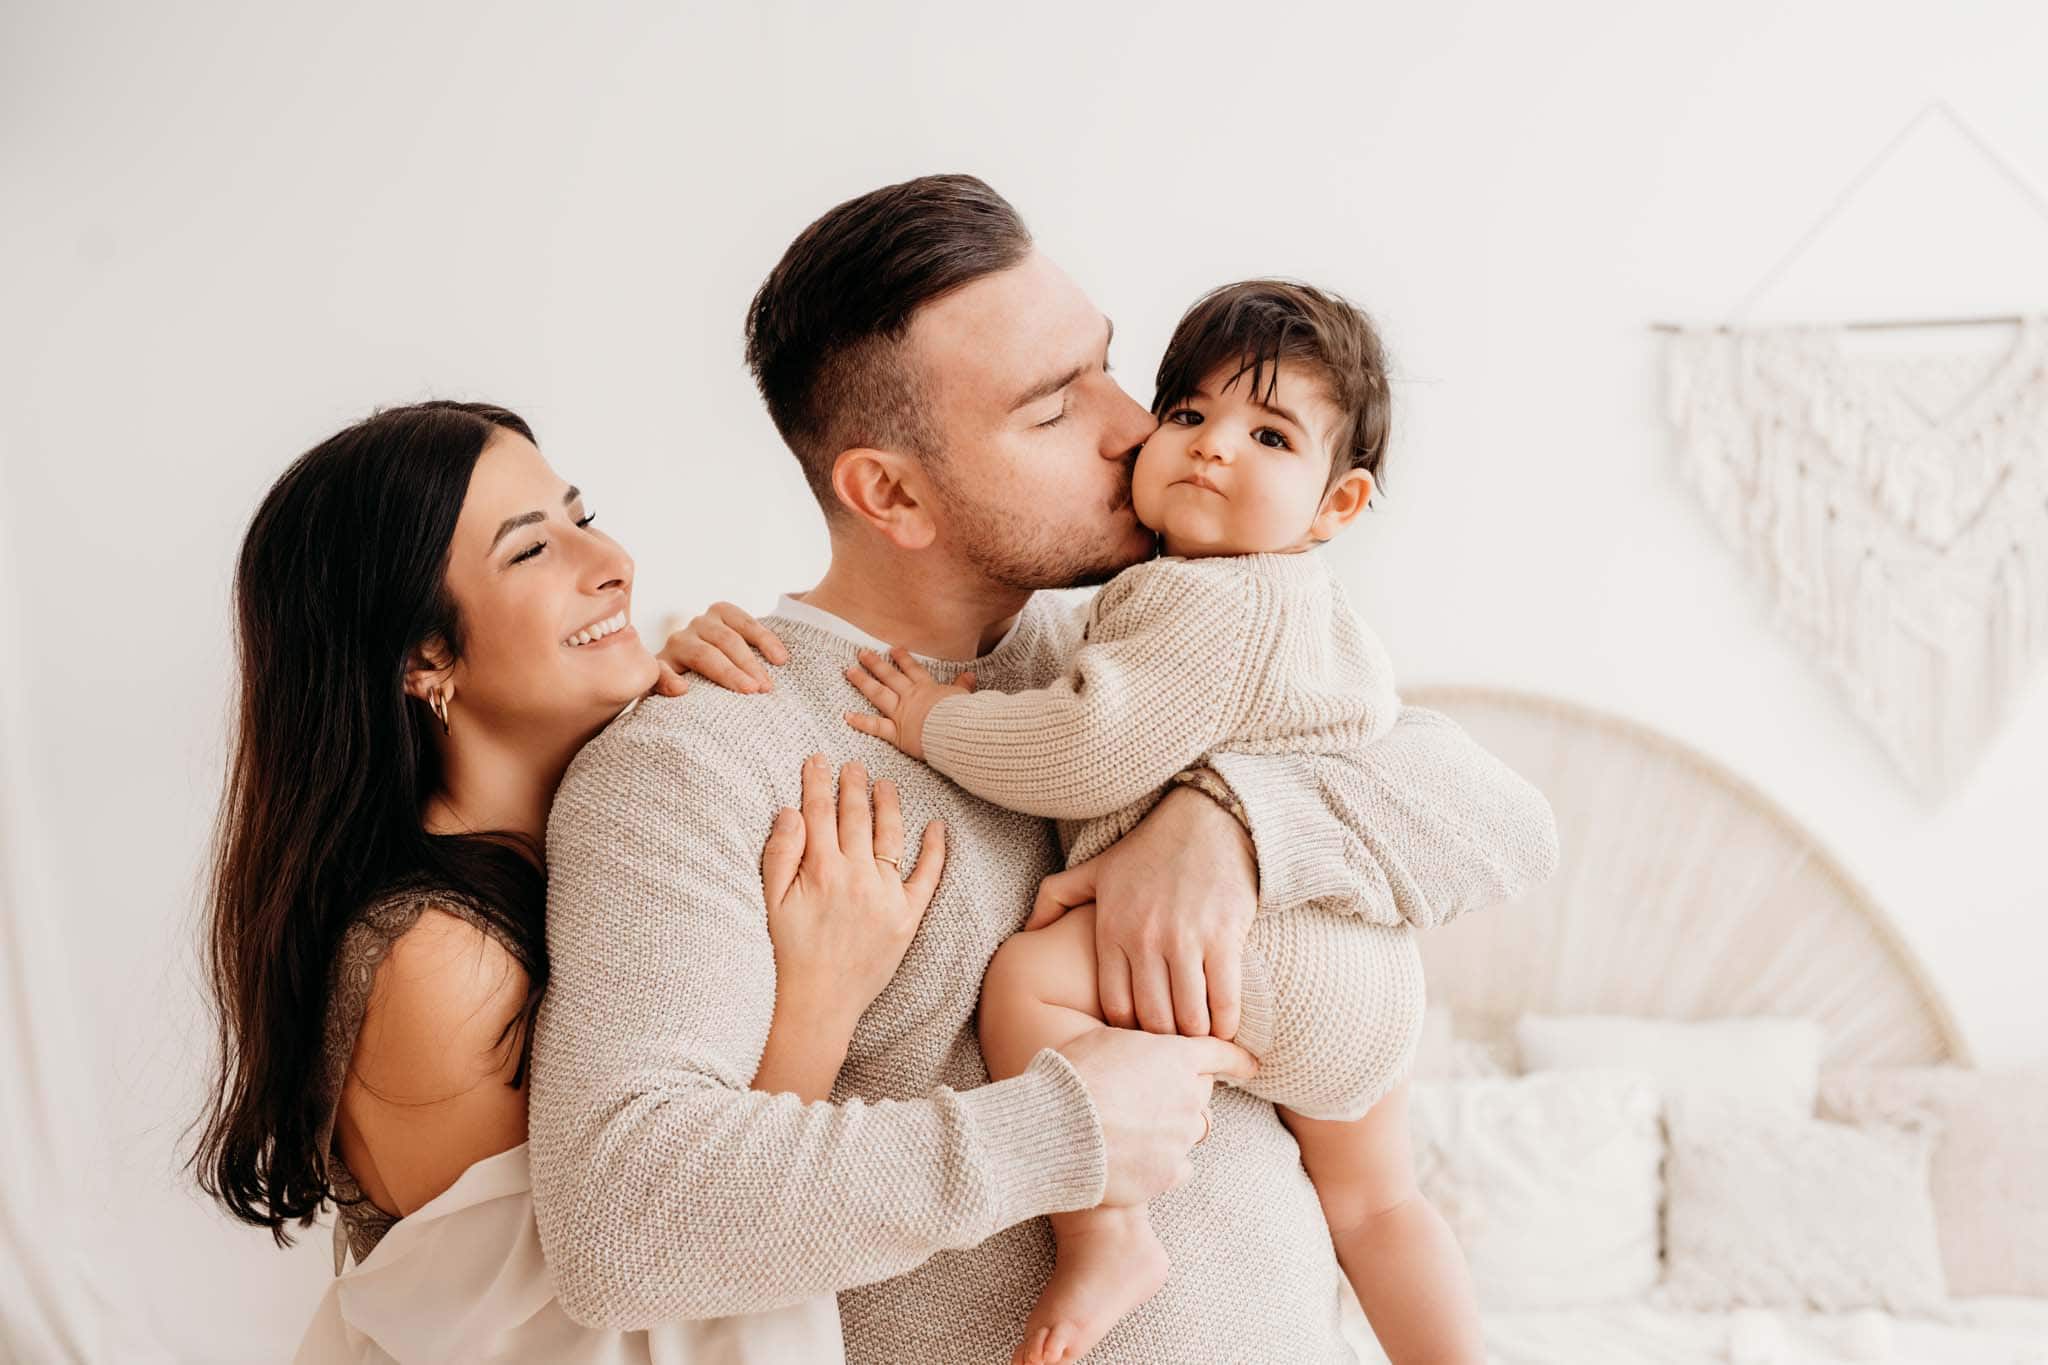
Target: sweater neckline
823 626
1296 566
792 608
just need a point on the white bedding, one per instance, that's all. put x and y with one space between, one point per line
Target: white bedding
1983 1331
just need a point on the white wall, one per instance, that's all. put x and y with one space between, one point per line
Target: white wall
227 233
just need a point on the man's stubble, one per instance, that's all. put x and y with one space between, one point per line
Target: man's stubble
1014 550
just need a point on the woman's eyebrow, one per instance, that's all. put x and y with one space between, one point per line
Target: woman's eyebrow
511 524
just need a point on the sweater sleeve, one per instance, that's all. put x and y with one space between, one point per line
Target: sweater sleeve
1154 686
1419 826
663 1186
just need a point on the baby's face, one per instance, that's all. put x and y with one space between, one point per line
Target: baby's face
1229 474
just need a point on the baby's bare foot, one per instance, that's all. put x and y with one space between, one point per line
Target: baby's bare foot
1109 1262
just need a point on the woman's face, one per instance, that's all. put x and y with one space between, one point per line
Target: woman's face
545 600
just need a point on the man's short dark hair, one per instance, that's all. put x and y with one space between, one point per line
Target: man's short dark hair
1249 327
826 331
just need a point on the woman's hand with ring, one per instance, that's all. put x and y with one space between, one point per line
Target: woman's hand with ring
841 914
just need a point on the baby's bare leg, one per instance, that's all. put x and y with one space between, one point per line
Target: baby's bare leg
1040 992
1395 1248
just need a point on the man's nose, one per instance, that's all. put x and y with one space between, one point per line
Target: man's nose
1128 425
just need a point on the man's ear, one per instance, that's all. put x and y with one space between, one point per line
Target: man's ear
887 491
430 667
1345 500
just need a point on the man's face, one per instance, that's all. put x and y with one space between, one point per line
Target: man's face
1037 441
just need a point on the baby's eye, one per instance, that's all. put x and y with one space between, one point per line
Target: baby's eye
1186 417
1279 441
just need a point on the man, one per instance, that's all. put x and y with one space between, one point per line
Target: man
947 391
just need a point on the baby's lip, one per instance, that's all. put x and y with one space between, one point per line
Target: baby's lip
1200 482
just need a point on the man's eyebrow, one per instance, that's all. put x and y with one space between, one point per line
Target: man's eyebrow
1047 388
511 524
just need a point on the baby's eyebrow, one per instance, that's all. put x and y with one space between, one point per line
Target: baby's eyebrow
1279 411
1259 403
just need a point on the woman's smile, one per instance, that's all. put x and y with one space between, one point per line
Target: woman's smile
604 631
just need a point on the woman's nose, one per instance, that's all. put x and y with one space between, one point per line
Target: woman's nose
610 565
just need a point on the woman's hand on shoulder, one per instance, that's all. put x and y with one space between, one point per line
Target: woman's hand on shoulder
721 645
428 1088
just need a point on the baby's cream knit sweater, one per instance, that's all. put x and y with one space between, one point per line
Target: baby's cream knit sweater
1182 659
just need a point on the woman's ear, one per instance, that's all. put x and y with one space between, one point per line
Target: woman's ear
888 492
431 668
1345 500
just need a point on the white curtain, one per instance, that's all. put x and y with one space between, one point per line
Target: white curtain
51 1135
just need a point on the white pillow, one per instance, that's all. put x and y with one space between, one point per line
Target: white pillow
1440 1055
1764 1211
1763 1063
1433 1046
1990 1177
1550 1183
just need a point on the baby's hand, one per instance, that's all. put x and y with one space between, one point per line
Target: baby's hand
903 692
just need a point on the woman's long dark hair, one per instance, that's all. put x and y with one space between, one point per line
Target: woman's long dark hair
340 589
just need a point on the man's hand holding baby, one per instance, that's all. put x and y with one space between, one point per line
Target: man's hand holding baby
1174 901
903 692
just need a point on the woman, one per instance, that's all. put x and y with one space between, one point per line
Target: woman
430 627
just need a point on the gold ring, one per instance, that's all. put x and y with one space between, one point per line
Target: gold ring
890 861
1205 1129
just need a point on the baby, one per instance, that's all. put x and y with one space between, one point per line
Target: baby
1273 406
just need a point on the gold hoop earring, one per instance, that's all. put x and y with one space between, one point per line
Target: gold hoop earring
437 701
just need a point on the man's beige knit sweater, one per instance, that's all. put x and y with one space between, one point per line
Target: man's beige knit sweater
664 1187
1182 659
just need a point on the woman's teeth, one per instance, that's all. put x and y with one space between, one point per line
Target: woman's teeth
591 634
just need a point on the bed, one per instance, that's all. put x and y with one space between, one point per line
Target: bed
1685 894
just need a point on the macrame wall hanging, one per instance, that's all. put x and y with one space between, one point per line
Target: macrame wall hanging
1894 505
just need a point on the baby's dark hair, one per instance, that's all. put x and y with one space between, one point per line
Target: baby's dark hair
1253 325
